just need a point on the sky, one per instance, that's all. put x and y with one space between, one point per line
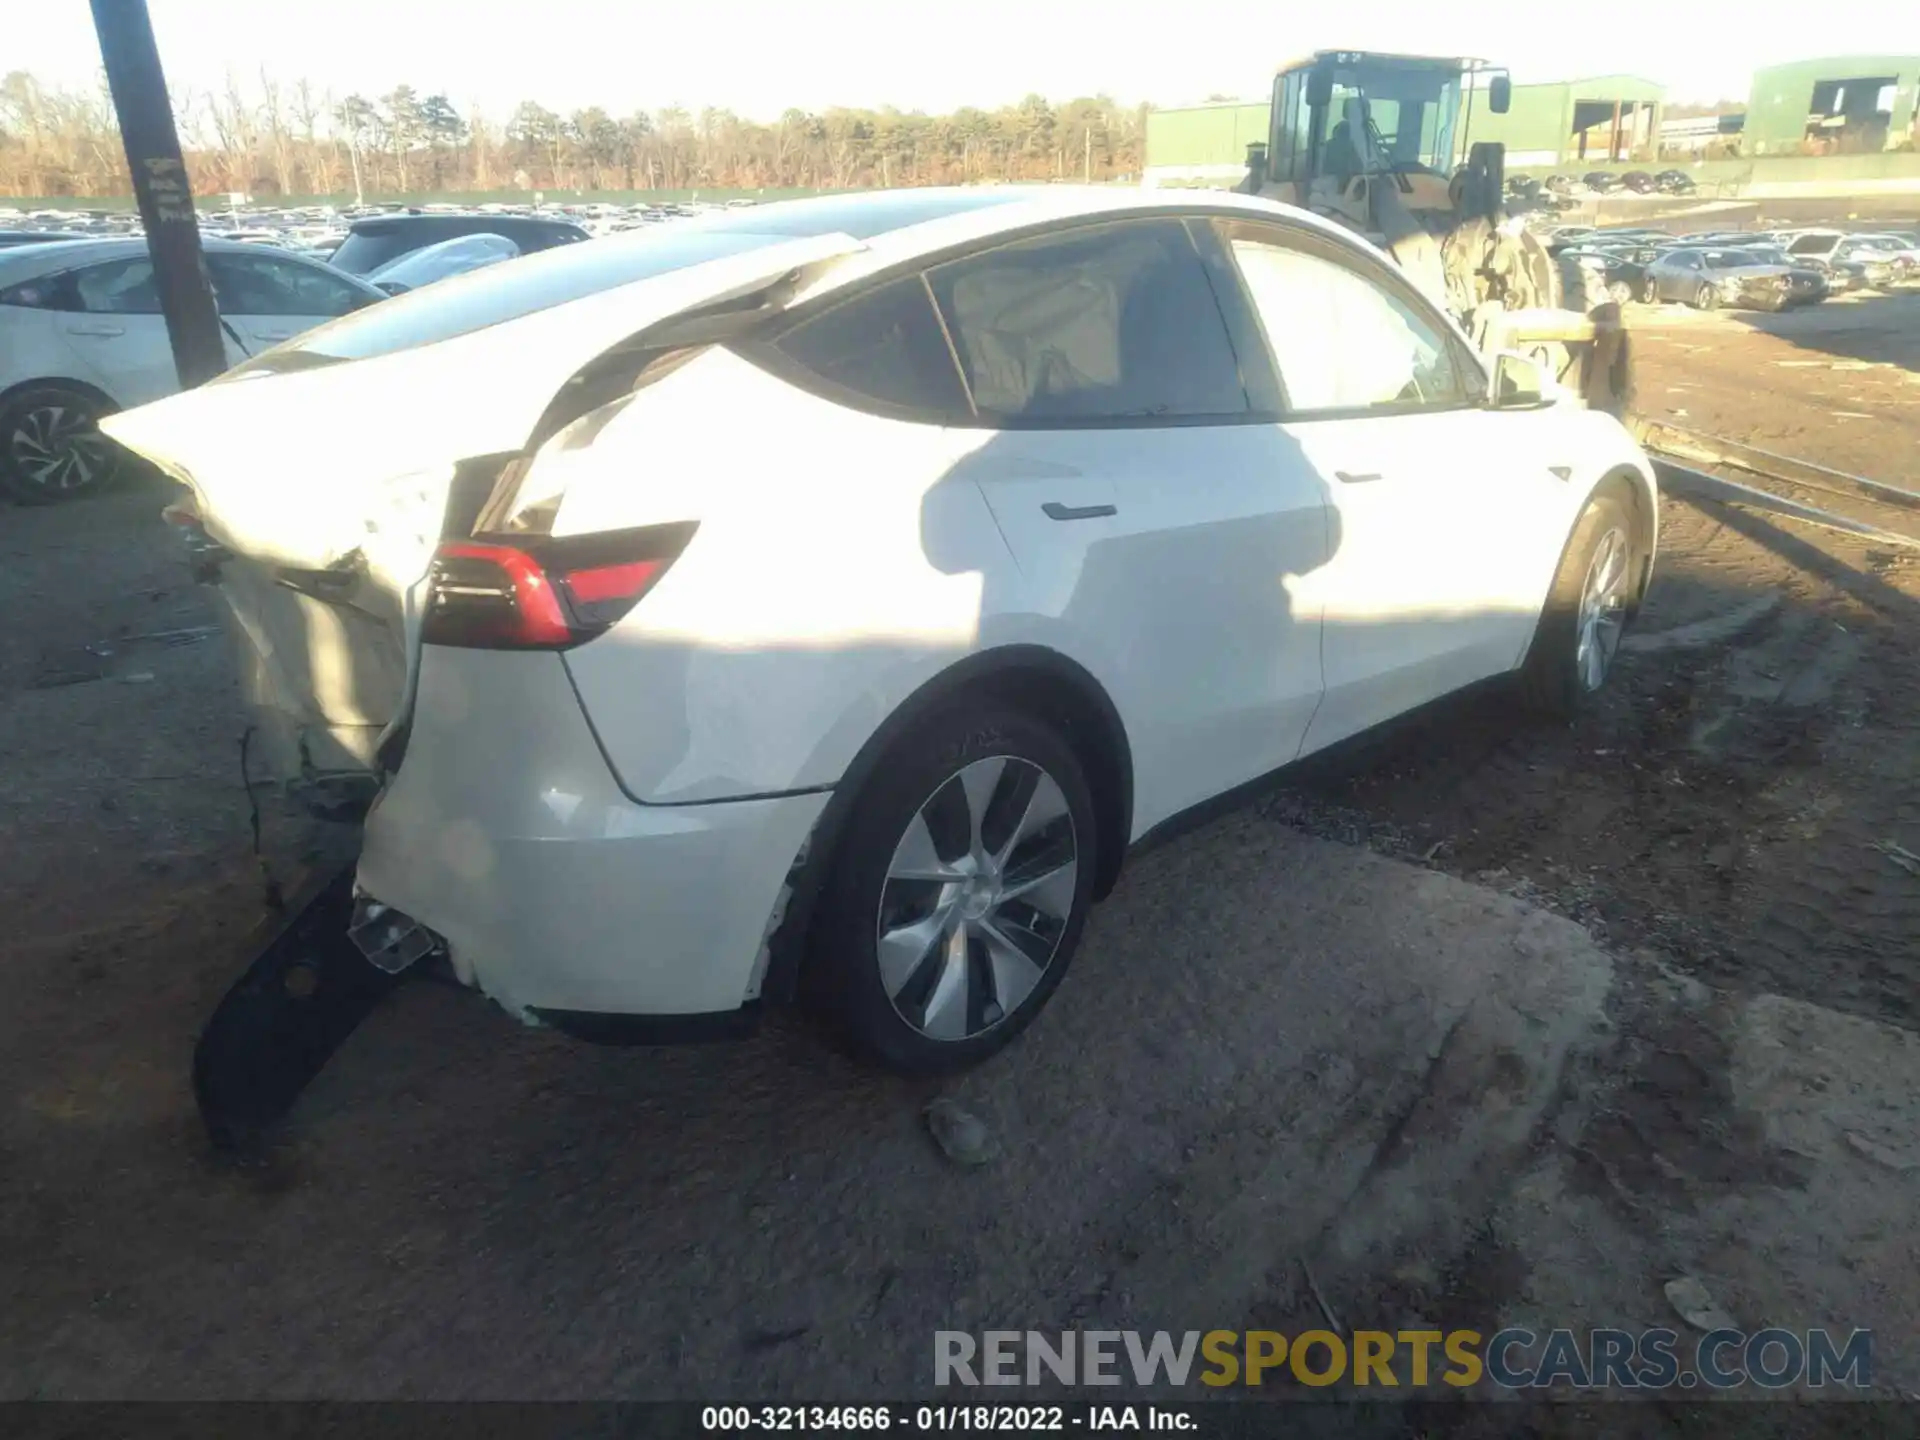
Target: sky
757 58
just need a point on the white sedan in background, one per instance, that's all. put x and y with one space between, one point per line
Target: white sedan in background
814 602
81 335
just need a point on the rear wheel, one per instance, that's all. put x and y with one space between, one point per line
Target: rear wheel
1620 292
957 899
51 448
1587 610
1650 291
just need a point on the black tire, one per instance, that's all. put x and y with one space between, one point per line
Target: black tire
1706 298
1553 680
842 980
51 448
1649 291
1619 292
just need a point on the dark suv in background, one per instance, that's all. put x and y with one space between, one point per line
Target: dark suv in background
372 242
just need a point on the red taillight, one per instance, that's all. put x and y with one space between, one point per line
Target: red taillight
542 595
611 582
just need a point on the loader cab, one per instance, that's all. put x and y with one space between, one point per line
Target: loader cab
1343 121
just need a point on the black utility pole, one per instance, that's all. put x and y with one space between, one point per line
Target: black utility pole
160 185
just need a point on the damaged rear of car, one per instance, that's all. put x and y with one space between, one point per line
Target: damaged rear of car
375 503
323 474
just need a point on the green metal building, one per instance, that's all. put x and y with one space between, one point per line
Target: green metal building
1607 117
1203 144
1849 105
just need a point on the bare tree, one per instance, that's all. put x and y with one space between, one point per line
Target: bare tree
277 138
55 142
322 162
404 127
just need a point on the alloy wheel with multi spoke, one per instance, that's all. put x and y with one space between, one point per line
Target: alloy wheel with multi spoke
54 449
1603 610
1592 601
977 897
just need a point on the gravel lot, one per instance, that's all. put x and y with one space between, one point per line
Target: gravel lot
1485 1022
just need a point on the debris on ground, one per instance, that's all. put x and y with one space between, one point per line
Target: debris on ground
1880 1154
1696 1305
961 1135
1320 1298
1900 855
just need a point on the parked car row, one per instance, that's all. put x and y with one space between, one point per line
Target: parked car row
1762 269
82 336
1557 191
320 230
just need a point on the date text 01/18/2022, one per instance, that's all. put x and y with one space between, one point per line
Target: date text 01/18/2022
943 1418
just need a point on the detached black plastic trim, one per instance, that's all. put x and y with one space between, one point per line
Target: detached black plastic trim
305 992
599 1028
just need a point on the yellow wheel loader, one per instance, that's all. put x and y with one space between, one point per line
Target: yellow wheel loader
1384 144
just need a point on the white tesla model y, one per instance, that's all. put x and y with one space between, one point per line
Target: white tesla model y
815 601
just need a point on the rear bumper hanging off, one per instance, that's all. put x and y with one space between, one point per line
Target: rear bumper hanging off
280 1022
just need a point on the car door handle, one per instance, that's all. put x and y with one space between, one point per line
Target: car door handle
98 330
274 334
1350 477
1054 510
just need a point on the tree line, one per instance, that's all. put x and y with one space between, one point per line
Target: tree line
278 138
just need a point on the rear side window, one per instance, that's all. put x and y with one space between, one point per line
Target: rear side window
1102 324
883 350
266 286
119 287
50 292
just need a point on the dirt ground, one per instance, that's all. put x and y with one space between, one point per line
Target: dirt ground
1483 1022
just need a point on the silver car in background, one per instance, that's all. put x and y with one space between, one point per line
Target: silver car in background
1748 276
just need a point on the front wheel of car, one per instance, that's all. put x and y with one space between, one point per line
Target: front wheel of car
1593 597
1619 292
51 448
1706 298
958 894
1650 291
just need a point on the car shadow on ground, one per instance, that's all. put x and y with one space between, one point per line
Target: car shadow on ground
1878 328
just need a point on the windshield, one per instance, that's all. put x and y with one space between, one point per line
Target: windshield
364 251
1395 117
442 261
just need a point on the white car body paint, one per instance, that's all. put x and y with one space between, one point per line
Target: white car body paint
1177 604
1440 565
506 833
611 829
